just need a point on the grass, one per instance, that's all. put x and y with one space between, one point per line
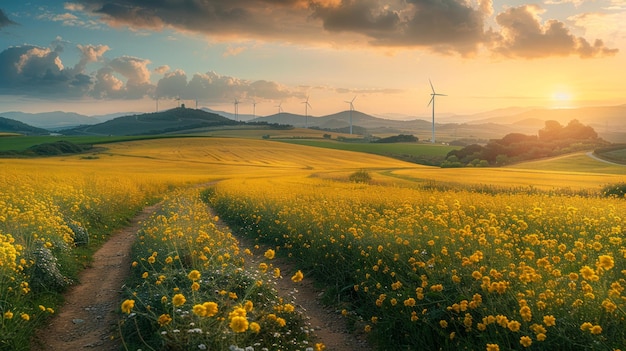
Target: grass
20 143
425 154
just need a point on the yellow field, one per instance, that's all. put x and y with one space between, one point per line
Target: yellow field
45 201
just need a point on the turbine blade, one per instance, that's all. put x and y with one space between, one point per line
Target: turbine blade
431 100
431 85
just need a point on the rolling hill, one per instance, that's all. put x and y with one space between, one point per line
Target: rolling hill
12 126
56 120
170 121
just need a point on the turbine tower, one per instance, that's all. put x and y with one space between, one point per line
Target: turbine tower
306 112
236 103
432 101
280 109
254 108
351 102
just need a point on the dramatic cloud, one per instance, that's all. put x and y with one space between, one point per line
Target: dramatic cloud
4 20
524 35
34 70
212 87
445 26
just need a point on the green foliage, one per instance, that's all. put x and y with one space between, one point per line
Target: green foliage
553 140
615 190
398 139
361 176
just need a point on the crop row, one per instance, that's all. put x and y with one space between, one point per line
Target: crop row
449 269
193 287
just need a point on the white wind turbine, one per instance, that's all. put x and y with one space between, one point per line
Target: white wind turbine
280 109
306 112
432 101
236 103
254 108
351 102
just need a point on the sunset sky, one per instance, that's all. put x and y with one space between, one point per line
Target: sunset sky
96 57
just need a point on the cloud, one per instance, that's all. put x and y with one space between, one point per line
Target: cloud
4 20
443 26
162 69
39 72
523 35
212 87
33 70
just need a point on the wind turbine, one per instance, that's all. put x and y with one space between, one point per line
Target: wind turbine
236 103
280 109
306 112
254 108
432 101
351 102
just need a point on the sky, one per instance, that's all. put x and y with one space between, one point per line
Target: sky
97 57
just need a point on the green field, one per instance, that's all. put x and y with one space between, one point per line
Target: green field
20 143
412 152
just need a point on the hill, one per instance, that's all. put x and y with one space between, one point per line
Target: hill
170 121
56 120
12 126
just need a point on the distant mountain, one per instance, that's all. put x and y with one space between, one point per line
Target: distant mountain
12 126
171 121
242 117
51 120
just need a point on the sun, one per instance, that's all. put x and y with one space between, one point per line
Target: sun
561 96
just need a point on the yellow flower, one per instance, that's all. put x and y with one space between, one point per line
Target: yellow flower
164 319
605 261
410 302
297 277
320 347
144 275
596 329
586 326
169 260
127 306
239 324
151 259
541 337
514 325
493 347
255 327
276 273
179 300
194 275
8 315
526 341
195 286
210 309
281 321
199 310
25 316
549 320
269 254
443 323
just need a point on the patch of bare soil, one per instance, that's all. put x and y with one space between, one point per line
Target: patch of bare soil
88 318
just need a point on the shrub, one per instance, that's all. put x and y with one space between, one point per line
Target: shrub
615 190
361 176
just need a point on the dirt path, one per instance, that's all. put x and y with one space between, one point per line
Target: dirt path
88 318
329 325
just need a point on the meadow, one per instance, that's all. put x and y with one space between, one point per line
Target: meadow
414 258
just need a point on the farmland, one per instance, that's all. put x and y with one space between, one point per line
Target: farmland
415 257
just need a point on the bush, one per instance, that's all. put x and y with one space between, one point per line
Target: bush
360 177
615 190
